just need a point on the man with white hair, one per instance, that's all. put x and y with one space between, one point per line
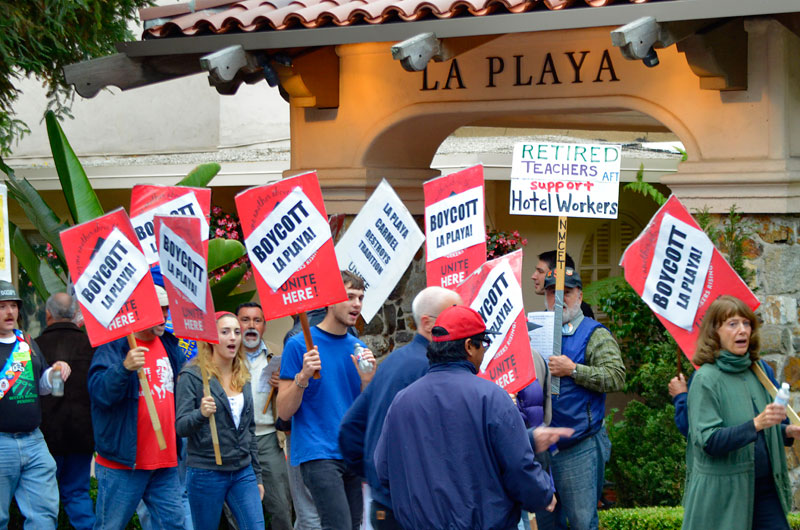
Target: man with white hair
130 466
274 473
590 366
67 421
361 426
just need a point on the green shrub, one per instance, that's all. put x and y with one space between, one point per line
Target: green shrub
661 518
647 463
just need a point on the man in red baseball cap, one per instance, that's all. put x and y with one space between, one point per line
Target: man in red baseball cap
454 452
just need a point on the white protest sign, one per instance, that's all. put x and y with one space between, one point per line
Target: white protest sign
541 336
5 242
379 245
183 267
143 223
454 223
287 237
498 301
678 272
111 276
571 180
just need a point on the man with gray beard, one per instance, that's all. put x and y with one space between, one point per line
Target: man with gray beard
277 497
590 365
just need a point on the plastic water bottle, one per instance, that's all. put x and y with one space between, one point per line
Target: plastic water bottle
782 397
58 384
363 364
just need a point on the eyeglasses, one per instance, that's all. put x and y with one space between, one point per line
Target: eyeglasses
486 341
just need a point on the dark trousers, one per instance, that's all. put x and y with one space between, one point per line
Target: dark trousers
767 510
336 492
382 517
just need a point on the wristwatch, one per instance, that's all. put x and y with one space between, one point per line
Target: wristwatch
574 371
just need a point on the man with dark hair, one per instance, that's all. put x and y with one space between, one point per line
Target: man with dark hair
362 424
453 451
316 406
590 366
27 471
277 499
67 420
547 263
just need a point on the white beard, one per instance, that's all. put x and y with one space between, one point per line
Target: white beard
571 312
251 344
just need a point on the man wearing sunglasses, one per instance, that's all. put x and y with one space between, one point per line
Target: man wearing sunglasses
454 452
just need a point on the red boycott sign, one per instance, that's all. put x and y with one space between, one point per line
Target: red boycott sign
112 280
148 201
455 231
678 273
495 291
289 244
184 264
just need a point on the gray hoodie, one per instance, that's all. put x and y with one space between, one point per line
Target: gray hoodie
238 447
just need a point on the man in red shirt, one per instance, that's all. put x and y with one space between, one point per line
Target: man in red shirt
130 465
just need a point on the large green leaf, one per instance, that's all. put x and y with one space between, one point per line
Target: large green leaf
231 302
200 176
27 259
223 251
81 198
38 212
228 282
52 281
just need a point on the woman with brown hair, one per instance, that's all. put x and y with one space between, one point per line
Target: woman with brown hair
236 479
736 475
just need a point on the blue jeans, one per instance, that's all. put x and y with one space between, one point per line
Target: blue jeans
120 490
73 485
144 514
336 491
28 473
577 473
208 489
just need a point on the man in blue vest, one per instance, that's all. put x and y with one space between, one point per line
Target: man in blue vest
590 366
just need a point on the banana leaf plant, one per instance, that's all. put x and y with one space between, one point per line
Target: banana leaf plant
83 206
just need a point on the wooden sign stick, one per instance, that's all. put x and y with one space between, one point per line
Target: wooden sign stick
679 353
148 398
212 422
307 336
269 398
558 307
756 367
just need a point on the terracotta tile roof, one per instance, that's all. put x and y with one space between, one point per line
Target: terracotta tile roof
207 17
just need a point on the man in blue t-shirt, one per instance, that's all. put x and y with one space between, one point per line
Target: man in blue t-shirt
316 407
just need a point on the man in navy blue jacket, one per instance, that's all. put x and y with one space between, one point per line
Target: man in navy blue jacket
130 466
454 452
362 424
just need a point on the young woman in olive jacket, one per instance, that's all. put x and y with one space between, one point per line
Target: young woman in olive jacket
238 480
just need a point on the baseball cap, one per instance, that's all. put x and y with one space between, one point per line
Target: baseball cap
459 322
163 299
571 278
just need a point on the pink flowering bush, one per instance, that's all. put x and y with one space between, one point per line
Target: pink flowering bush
227 226
499 243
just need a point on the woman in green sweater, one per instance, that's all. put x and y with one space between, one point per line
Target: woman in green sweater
736 476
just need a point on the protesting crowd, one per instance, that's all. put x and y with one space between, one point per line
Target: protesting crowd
467 426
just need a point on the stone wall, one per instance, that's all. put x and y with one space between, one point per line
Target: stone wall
773 253
393 326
